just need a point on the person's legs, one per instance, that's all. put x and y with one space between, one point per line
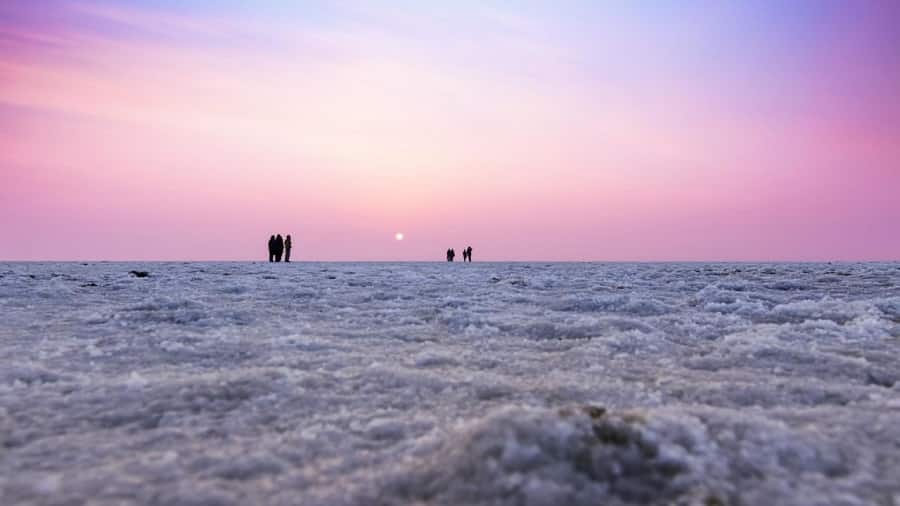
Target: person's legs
287 255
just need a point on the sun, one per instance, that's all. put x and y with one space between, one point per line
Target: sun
399 236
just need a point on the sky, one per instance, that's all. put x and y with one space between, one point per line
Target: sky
564 130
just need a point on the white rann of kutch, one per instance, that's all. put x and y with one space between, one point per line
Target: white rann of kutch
449 384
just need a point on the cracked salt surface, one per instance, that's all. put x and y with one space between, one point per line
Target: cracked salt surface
519 384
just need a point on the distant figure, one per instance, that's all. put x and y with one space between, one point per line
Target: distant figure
452 254
448 255
272 248
464 254
468 253
287 248
279 247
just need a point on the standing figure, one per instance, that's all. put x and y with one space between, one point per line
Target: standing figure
452 254
272 248
287 248
279 247
469 253
448 254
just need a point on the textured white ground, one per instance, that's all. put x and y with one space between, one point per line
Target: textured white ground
500 384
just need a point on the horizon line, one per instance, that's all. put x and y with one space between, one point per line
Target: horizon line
598 261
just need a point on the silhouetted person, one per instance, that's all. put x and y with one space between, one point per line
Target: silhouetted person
448 254
272 248
452 254
468 253
287 248
279 247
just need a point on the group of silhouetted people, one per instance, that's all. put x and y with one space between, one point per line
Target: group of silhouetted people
467 254
279 247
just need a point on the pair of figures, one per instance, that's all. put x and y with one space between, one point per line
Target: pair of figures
467 254
279 247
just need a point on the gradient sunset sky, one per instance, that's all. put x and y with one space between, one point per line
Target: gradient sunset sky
654 130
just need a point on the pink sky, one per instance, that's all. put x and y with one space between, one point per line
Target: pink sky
138 130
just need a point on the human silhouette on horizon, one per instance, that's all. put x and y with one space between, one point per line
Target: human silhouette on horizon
450 254
467 254
287 248
272 248
279 247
